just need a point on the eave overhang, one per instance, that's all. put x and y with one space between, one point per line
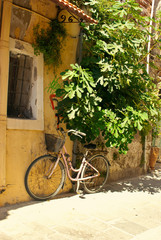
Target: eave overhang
75 10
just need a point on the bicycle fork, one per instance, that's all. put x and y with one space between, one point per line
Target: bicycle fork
80 171
83 165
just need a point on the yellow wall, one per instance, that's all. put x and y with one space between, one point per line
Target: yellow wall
23 146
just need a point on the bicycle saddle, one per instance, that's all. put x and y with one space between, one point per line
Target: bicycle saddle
90 146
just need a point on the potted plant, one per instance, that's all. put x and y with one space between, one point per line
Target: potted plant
154 154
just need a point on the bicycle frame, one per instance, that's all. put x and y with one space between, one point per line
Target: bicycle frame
67 162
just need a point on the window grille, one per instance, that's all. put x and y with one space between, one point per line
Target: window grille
20 84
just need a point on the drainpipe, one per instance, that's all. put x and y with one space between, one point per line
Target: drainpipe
150 30
79 59
147 68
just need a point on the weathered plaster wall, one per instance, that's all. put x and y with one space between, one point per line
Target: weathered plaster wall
131 164
122 165
23 146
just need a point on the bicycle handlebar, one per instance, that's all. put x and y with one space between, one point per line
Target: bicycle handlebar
78 133
75 132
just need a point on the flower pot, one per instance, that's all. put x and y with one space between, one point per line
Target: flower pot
153 157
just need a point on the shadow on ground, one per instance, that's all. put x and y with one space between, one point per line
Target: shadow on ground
150 183
4 211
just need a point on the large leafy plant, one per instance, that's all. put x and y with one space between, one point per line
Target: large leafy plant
111 91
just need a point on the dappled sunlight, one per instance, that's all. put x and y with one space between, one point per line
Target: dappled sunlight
149 183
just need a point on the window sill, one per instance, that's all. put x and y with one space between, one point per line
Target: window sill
25 124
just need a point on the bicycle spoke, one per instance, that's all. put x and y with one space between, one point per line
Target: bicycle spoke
94 184
37 182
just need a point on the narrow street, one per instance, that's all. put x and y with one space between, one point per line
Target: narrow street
125 210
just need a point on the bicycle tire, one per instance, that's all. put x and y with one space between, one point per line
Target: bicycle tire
94 185
37 184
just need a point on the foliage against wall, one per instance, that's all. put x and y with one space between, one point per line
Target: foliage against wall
49 42
111 91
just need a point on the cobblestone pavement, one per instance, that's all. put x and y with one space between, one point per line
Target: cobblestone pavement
125 210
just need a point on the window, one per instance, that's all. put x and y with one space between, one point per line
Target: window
25 87
19 88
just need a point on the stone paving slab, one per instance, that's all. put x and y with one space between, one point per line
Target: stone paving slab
125 210
154 233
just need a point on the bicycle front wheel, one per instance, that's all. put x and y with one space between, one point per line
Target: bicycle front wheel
95 184
38 185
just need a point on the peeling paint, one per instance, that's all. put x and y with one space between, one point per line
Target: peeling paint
19 46
20 21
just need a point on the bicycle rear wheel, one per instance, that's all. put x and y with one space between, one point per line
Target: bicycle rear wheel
95 184
37 183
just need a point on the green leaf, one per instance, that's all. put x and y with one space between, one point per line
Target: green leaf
144 116
139 126
71 115
71 94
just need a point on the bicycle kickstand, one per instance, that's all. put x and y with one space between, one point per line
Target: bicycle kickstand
77 189
80 192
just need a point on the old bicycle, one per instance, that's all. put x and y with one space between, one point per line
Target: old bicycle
46 175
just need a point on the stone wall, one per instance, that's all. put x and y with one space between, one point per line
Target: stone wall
134 163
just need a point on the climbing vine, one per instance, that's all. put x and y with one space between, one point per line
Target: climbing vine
49 41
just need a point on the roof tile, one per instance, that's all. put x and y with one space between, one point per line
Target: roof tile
74 9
